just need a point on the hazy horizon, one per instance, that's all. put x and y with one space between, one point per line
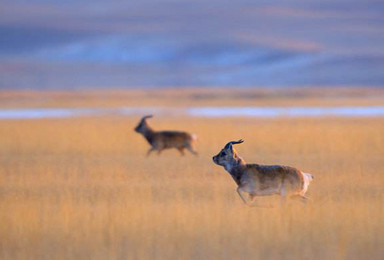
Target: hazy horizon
98 44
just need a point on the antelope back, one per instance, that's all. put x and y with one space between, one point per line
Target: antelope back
169 139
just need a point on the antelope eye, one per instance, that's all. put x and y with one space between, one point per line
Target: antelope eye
223 154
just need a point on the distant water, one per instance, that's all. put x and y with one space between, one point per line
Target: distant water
350 111
265 112
38 113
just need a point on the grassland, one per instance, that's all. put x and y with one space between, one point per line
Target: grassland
83 189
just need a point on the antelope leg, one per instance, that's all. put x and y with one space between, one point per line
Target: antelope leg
181 150
242 196
150 151
191 150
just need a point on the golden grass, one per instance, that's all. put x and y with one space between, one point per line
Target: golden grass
83 189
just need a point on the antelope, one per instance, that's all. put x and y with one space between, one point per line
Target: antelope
160 140
262 180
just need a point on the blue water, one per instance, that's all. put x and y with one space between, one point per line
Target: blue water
264 112
38 113
351 111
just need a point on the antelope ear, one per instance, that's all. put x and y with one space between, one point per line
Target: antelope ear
232 150
229 147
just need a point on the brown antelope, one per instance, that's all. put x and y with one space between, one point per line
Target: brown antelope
160 140
261 180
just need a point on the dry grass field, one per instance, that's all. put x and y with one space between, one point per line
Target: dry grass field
82 188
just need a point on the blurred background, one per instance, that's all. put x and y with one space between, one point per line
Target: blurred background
122 44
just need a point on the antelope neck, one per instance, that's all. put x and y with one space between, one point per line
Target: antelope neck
236 168
148 134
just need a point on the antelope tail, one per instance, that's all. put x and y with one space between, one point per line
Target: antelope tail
309 176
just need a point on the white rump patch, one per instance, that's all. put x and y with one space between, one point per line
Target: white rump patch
307 180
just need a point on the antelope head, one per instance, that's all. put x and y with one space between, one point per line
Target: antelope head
143 125
227 155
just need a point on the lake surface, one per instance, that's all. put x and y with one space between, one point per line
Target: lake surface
212 112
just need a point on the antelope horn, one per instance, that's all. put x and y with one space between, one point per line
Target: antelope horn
229 144
145 117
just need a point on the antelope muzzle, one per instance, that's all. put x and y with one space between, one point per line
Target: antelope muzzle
215 159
